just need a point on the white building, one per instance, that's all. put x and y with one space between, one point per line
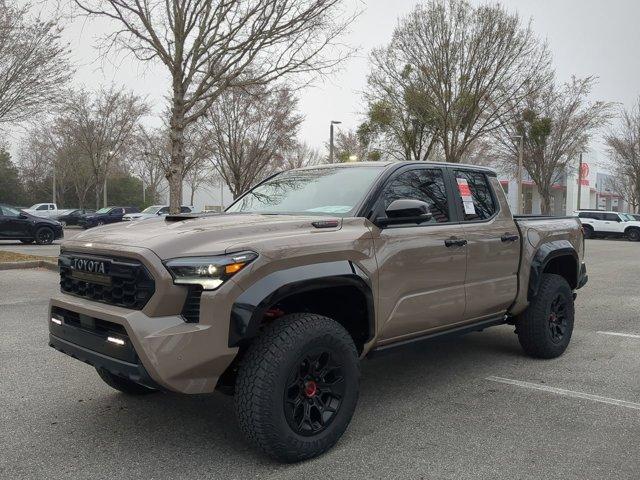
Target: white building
595 191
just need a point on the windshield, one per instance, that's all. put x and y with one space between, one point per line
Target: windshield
152 209
104 210
10 212
317 191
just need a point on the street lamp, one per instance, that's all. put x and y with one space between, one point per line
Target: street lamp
519 208
333 122
104 187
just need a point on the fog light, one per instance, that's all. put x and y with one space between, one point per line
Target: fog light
117 341
56 321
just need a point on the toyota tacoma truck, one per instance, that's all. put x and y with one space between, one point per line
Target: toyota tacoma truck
277 299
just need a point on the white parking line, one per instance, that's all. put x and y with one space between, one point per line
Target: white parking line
618 334
566 393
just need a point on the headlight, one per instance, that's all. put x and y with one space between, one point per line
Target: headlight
208 272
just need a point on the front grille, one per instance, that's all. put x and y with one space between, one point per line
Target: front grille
191 307
127 284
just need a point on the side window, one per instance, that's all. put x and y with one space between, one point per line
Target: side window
611 217
163 210
42 207
183 210
475 194
425 184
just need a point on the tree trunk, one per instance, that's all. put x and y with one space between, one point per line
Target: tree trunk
193 192
545 200
176 134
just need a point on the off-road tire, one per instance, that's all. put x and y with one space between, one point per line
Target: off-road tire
263 385
44 236
535 328
633 234
588 231
122 384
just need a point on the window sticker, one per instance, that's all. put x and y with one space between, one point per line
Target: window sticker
467 199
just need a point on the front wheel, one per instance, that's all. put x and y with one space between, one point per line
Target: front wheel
297 387
633 234
544 329
44 236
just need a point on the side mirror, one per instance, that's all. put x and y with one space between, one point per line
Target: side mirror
405 210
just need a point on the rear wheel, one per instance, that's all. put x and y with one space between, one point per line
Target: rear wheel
544 329
588 231
122 384
297 387
633 234
44 236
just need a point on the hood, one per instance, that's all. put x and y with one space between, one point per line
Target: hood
204 235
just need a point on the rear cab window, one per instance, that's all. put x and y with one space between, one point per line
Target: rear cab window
476 197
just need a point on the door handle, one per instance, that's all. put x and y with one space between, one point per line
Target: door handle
508 237
455 242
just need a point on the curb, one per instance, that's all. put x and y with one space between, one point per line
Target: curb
29 264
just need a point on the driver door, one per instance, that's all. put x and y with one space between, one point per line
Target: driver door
421 273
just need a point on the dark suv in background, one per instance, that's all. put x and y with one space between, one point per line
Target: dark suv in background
106 215
16 224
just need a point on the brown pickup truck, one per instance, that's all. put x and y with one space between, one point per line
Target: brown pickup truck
277 299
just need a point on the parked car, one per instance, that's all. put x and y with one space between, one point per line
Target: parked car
636 216
276 299
73 217
105 216
47 210
154 211
599 223
19 225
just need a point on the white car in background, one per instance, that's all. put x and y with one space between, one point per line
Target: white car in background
45 210
154 211
600 223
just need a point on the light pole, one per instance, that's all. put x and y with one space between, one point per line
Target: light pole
333 122
519 208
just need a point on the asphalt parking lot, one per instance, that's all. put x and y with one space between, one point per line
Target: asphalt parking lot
468 408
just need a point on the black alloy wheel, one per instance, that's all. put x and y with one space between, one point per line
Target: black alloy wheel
558 323
44 236
314 393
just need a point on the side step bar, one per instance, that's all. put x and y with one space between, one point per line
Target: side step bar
451 332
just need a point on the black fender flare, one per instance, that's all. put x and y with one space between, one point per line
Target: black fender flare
545 253
249 308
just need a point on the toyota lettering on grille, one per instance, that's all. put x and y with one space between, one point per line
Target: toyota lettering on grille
89 266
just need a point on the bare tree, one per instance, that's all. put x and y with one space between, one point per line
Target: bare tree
34 63
101 127
400 131
557 124
624 184
250 131
209 47
624 147
301 155
145 159
464 69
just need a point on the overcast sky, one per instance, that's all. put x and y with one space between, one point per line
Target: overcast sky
587 37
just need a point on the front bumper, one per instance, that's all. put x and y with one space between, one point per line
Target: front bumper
166 352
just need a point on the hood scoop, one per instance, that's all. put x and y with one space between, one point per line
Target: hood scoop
179 218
